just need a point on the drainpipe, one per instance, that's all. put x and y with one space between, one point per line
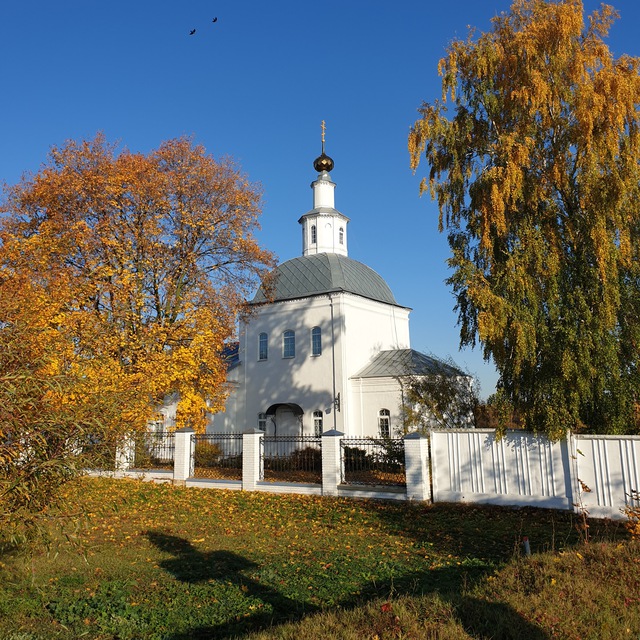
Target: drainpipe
333 364
402 405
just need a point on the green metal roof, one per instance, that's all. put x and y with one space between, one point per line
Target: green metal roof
325 273
406 362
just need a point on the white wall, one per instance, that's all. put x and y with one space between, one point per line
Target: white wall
354 329
369 396
227 421
305 380
472 465
610 467
368 328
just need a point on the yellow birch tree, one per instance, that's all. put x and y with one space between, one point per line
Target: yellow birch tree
533 154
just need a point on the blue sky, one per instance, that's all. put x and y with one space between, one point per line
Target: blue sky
256 85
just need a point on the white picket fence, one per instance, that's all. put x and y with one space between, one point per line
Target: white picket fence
596 473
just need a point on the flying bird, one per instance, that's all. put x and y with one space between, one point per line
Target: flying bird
215 19
192 32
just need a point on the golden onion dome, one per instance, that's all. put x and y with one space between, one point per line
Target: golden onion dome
323 163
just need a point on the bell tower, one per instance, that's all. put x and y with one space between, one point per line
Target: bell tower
324 229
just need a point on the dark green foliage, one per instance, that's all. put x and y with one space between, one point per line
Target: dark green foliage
355 459
448 400
309 458
392 455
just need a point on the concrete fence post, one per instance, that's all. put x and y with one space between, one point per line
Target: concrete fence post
574 490
126 454
416 459
183 455
331 462
252 459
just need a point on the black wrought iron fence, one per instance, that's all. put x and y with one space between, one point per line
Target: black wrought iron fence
373 461
218 456
154 450
292 458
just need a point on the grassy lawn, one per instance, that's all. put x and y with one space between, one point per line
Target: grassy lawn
141 561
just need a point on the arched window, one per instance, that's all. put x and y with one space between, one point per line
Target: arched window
289 344
263 346
341 236
317 423
316 341
384 423
314 235
262 421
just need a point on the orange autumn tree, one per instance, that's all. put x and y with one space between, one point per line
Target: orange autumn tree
53 411
142 263
122 276
534 160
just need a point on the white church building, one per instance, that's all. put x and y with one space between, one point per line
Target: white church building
327 343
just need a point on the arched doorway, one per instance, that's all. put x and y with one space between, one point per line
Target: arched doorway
285 418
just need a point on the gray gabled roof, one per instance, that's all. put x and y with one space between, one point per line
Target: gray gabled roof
406 362
324 273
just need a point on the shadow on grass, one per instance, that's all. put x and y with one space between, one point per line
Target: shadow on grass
481 619
487 532
187 564
494 621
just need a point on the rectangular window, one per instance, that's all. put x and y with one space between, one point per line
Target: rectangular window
316 341
289 344
263 346
317 423
262 421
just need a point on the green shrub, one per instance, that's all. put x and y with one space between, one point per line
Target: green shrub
309 458
355 459
208 454
392 457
